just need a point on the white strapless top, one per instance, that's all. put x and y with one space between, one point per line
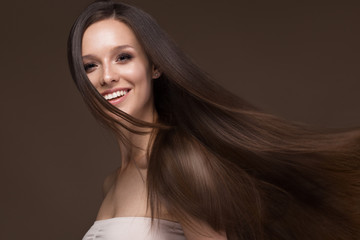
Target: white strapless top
134 228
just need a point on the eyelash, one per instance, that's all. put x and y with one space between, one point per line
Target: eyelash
121 58
88 66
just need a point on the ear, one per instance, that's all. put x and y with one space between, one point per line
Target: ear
155 72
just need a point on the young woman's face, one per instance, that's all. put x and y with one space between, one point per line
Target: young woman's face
118 67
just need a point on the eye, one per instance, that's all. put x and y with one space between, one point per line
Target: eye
124 57
89 67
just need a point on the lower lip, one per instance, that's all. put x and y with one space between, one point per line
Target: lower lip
119 100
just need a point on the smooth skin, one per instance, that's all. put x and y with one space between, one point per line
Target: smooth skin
114 59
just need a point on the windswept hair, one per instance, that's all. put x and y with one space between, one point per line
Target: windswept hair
217 159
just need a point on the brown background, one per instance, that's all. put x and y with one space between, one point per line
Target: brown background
297 60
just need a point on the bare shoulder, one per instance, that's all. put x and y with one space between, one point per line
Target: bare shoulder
202 231
109 181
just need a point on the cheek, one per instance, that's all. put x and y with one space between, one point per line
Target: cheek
139 76
94 79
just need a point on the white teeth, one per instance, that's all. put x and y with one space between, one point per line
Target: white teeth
115 94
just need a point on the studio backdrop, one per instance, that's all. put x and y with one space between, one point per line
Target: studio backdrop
293 59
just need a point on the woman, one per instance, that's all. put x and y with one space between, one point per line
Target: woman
196 161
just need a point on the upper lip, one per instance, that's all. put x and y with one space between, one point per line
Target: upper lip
113 90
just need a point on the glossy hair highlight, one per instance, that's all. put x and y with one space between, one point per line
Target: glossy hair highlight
217 159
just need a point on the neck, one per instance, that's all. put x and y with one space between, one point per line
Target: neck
136 153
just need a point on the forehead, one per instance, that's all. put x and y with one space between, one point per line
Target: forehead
107 34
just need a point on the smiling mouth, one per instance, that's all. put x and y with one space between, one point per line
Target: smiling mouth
116 94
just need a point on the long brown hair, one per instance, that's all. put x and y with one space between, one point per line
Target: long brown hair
218 159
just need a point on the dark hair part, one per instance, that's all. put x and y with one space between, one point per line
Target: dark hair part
217 159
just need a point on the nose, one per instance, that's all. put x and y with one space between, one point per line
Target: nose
110 75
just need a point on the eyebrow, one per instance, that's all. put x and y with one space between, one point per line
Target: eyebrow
112 50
